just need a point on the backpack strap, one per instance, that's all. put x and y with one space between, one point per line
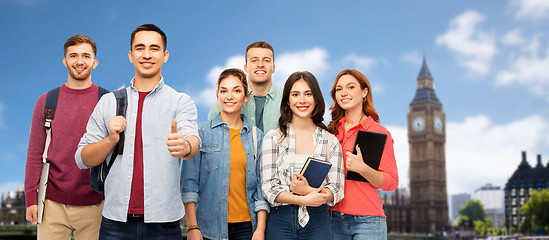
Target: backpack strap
254 133
121 106
101 91
328 149
49 114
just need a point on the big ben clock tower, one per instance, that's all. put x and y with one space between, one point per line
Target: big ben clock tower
427 136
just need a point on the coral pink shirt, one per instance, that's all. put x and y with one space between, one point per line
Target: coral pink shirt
361 198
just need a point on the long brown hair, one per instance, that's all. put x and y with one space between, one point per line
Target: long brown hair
286 113
367 104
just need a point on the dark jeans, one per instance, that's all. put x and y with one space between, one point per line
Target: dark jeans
240 231
135 228
283 224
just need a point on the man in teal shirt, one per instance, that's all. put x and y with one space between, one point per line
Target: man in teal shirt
263 106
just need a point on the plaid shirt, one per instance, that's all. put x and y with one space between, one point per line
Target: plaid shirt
277 171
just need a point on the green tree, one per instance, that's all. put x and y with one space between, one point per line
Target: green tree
535 212
474 210
473 216
463 222
480 227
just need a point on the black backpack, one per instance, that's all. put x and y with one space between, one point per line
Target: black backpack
98 174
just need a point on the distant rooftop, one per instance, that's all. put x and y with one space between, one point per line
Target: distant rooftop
488 187
527 177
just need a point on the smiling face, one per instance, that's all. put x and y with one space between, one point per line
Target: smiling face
148 55
80 61
259 65
348 93
301 101
231 95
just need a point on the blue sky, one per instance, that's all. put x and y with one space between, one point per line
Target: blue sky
489 60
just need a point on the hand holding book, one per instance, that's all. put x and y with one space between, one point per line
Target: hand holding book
370 145
354 162
315 171
300 185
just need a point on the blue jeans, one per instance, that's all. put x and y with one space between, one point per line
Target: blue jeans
135 228
283 223
345 226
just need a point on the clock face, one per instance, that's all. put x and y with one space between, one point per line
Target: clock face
438 124
418 124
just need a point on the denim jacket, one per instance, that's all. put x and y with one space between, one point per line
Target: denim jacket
205 177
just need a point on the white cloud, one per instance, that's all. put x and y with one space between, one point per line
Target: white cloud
490 153
402 154
411 57
361 63
206 97
479 151
474 48
531 71
532 48
534 9
313 60
513 37
7 187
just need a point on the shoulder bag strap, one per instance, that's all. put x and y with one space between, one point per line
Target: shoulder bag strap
254 132
49 114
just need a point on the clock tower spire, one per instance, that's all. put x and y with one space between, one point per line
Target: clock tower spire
427 137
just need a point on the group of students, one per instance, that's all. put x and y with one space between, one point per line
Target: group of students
234 182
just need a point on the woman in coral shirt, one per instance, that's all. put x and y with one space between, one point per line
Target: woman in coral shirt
360 214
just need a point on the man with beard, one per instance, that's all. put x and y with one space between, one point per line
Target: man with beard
71 204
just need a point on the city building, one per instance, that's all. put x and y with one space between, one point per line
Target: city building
519 187
13 209
427 138
397 208
457 201
491 198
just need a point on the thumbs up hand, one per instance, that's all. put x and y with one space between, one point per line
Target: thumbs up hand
177 145
354 162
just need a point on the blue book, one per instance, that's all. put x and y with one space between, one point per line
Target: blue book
315 171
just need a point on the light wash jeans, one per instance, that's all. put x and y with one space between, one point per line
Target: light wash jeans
283 224
345 226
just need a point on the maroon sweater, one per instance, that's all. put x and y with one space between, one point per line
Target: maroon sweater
67 184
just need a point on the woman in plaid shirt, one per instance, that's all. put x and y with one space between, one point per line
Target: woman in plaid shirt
298 210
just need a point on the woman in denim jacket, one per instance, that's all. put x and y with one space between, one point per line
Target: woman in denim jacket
220 185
